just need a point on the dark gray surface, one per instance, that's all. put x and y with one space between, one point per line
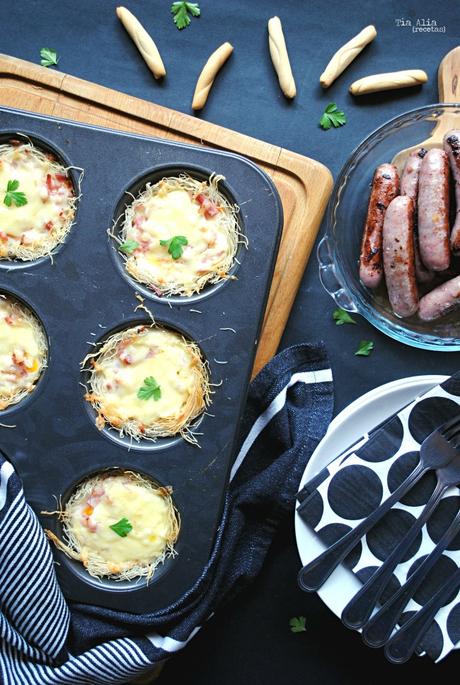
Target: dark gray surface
250 641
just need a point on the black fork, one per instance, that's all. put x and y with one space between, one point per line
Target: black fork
360 607
380 626
436 451
402 644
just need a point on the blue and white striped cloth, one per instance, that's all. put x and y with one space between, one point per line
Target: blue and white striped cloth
45 641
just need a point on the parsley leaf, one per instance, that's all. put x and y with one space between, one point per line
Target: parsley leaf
11 195
49 57
297 624
181 10
128 246
149 389
332 117
175 245
365 348
340 317
122 527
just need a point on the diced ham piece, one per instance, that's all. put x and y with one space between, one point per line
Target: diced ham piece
208 207
88 523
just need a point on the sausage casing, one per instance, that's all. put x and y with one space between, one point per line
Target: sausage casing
409 187
433 210
398 256
440 300
411 173
452 147
385 187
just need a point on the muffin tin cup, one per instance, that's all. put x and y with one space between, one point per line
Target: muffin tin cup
108 584
46 146
7 414
135 188
113 434
83 296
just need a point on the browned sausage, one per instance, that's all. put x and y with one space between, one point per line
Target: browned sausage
398 256
433 210
385 186
440 300
452 147
422 274
410 175
409 187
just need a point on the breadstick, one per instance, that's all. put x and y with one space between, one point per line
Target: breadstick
393 79
208 74
143 42
346 54
280 57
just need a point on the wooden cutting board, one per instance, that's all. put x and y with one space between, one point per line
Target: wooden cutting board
303 184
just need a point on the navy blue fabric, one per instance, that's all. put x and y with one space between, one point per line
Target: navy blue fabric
260 497
262 493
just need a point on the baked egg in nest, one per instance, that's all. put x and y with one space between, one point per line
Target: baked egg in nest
38 203
179 235
148 382
119 525
23 351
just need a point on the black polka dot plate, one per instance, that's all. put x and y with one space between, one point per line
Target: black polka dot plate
345 434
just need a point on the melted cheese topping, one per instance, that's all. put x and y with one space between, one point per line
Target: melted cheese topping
163 215
156 353
22 352
109 501
49 209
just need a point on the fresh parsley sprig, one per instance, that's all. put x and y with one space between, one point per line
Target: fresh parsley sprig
12 196
180 11
365 347
175 245
297 624
49 57
149 389
341 317
122 527
332 116
128 246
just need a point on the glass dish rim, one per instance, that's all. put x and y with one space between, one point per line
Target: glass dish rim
392 329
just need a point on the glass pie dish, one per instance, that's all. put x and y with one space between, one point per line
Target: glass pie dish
338 251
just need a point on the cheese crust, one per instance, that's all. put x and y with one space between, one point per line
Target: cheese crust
34 229
23 351
126 362
149 525
194 210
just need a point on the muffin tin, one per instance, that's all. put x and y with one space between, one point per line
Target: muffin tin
84 295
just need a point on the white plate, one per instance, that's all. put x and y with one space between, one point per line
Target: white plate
347 427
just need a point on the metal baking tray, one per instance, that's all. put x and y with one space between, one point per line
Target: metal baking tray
83 295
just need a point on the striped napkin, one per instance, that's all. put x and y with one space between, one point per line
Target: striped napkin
45 640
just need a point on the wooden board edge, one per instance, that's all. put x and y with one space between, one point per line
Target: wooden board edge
279 160
193 126
289 283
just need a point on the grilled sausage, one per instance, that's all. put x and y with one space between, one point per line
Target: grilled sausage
452 147
433 210
422 274
440 300
410 175
385 187
398 256
409 187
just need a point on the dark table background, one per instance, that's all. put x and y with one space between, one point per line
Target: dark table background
250 641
